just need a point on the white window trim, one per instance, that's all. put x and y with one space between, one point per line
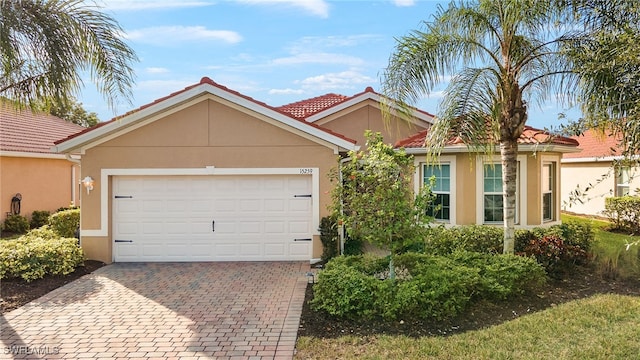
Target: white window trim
521 206
545 159
105 175
419 176
617 171
554 190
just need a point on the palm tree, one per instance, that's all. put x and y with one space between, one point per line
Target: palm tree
502 55
46 47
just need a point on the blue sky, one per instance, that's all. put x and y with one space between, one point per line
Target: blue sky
276 51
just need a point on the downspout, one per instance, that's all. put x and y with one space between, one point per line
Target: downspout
73 176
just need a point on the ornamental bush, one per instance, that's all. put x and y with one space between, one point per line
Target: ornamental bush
16 223
425 286
623 212
33 256
65 223
39 218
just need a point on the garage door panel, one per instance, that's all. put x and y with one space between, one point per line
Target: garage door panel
170 218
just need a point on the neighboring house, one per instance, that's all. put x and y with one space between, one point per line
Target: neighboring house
468 187
595 173
209 174
44 180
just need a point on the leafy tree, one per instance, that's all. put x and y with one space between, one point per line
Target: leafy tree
375 198
71 111
606 59
46 46
502 54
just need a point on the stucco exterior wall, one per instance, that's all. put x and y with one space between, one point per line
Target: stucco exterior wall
208 133
352 123
599 176
45 184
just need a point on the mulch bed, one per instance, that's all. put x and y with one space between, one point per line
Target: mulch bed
17 292
581 283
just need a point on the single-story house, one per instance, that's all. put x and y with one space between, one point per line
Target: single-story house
468 187
595 173
209 174
32 177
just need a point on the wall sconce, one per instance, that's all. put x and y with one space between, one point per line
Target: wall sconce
88 183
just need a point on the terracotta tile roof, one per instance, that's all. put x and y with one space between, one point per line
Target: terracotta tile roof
205 80
25 131
594 143
530 136
305 108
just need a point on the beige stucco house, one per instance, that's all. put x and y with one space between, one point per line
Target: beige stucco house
45 180
595 173
209 174
469 186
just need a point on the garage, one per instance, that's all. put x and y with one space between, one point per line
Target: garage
212 218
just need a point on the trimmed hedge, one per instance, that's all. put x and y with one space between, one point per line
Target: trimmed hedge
39 218
65 223
38 253
427 286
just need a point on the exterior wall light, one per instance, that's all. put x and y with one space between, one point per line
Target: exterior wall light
88 183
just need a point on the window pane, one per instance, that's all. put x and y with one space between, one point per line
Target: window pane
441 208
493 208
547 207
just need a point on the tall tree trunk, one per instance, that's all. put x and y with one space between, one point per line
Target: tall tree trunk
509 159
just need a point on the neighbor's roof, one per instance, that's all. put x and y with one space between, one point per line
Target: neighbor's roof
206 85
530 136
305 108
322 106
596 144
27 132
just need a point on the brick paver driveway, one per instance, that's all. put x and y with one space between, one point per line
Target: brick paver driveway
248 310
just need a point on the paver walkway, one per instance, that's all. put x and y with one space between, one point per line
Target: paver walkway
228 310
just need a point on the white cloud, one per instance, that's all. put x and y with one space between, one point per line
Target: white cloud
156 70
163 87
132 5
403 3
325 42
167 35
286 91
315 7
341 80
318 58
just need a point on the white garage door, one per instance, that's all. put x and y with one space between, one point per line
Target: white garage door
212 218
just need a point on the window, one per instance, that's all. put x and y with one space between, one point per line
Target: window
441 188
493 200
548 187
622 180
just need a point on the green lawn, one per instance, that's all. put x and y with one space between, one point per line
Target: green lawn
599 327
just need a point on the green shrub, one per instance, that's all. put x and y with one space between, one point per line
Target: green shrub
32 257
426 286
329 237
39 218
66 222
343 291
480 238
44 232
578 234
623 212
503 275
16 223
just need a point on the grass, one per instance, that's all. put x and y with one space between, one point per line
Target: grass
599 327
610 254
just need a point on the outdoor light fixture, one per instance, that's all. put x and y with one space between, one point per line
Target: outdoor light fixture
311 278
88 182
